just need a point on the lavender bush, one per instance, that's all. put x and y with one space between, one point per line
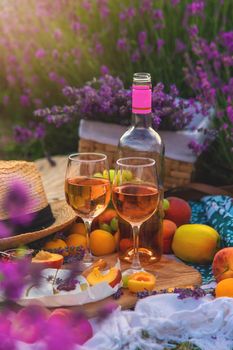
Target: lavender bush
50 46
106 99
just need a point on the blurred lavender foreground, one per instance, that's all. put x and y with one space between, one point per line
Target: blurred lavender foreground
33 326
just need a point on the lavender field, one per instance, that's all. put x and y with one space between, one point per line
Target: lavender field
47 46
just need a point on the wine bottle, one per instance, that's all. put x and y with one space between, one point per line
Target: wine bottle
143 141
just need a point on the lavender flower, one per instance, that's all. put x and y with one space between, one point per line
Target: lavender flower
4 231
122 44
160 44
13 278
40 53
17 202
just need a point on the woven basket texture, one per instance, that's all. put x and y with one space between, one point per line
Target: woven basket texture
177 173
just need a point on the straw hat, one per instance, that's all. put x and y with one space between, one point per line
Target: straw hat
38 218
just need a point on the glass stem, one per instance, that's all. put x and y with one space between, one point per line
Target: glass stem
136 262
88 258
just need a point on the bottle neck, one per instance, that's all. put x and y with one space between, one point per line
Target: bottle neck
141 120
141 105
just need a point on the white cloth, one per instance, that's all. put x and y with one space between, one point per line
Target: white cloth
206 322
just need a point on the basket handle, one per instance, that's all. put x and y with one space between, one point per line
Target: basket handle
195 191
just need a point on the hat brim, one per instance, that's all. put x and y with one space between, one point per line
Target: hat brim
64 216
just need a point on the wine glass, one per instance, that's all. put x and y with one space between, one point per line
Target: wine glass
87 190
135 195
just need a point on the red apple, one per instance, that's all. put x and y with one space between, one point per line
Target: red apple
48 260
223 264
112 277
179 211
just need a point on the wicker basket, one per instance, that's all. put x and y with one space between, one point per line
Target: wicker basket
177 173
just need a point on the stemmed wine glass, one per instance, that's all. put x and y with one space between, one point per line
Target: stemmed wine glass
87 189
135 195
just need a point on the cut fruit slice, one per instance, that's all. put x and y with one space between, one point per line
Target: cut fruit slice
112 277
140 281
48 260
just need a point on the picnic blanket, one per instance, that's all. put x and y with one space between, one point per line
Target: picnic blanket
217 212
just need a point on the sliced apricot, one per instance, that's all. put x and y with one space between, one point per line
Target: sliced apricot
112 277
140 281
48 260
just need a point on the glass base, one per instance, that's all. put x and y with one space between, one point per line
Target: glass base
146 255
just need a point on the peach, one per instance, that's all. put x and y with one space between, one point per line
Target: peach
48 260
107 216
140 281
78 325
125 244
112 277
168 231
179 211
27 328
222 266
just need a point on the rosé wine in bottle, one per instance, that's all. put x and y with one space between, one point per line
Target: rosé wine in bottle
142 140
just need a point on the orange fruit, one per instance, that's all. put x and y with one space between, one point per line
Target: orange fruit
76 240
56 244
78 228
102 242
224 288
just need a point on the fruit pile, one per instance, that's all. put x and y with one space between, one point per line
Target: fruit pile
197 243
103 238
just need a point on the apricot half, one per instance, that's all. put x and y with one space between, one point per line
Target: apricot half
112 277
48 260
140 281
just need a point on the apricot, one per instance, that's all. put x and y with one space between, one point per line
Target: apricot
48 260
224 288
168 231
75 240
195 243
179 211
112 277
102 242
56 244
140 281
125 244
79 228
222 266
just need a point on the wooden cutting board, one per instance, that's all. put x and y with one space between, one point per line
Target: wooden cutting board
169 273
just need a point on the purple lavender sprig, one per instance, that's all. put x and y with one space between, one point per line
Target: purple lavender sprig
183 293
67 285
108 100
